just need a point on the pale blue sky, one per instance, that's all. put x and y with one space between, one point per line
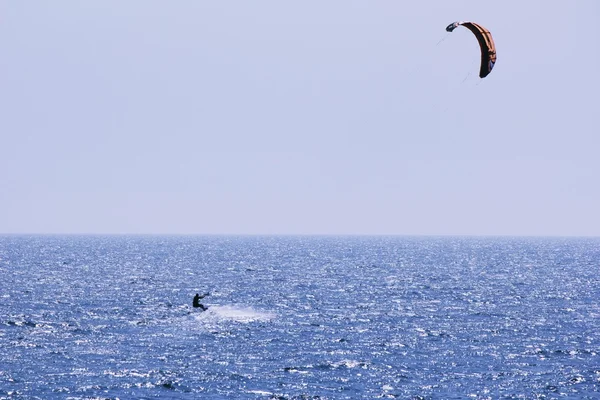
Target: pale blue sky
324 117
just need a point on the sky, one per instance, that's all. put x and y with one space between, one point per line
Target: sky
312 117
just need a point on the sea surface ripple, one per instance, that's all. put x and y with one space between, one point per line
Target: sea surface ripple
299 317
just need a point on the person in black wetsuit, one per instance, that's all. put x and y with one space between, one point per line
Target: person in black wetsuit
196 302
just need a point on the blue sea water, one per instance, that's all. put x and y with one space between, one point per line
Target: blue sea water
107 317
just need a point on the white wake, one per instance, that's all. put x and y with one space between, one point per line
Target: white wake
234 313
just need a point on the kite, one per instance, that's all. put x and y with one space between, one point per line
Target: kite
484 37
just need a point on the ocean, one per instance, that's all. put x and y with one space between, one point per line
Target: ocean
299 317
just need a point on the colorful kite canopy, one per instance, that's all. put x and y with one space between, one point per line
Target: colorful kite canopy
484 37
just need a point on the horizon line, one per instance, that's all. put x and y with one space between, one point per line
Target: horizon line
499 235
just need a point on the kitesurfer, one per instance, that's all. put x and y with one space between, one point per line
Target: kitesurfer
196 302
